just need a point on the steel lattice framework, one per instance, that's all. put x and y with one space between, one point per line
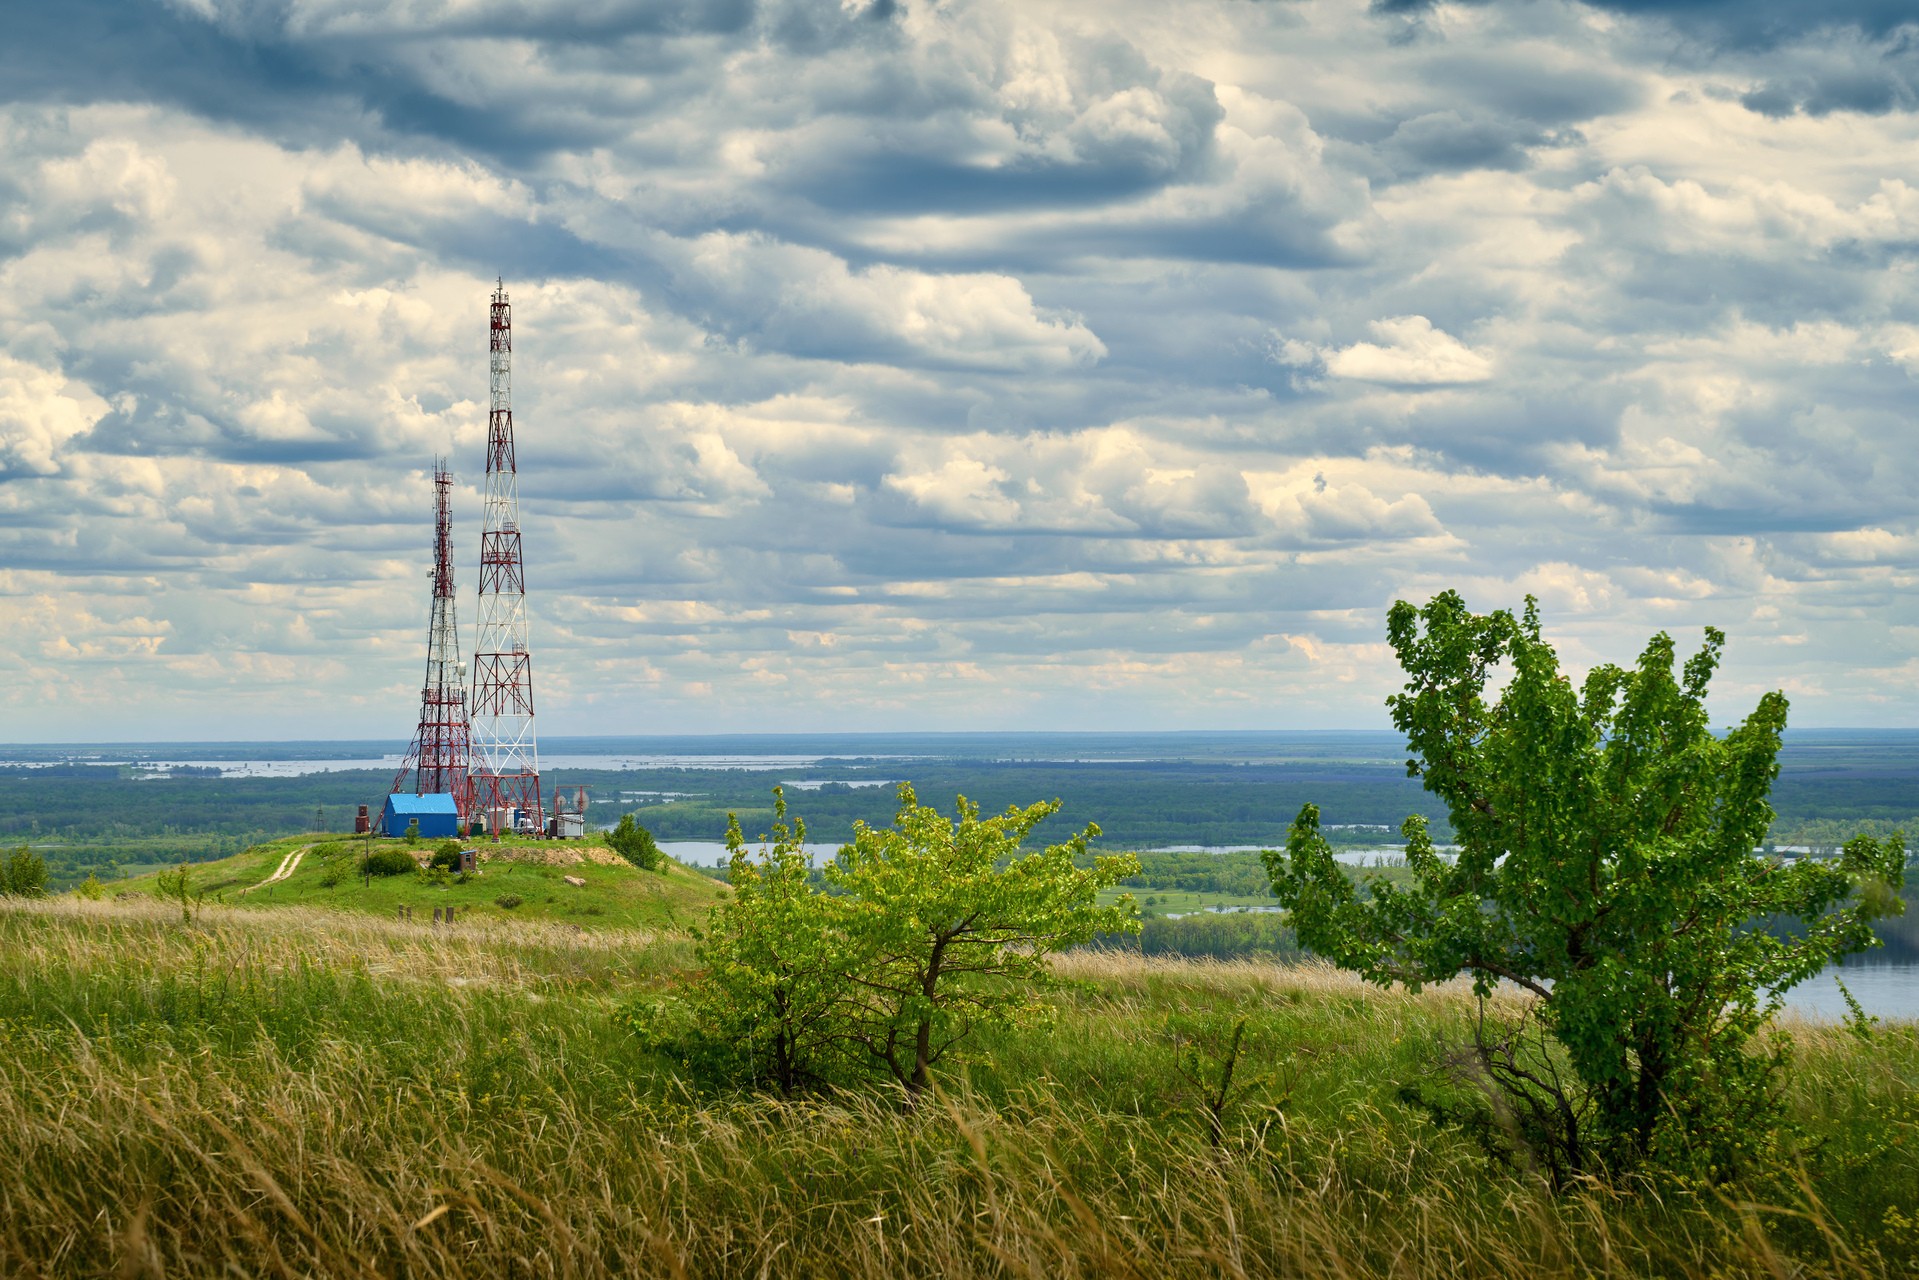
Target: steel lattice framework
437 760
506 767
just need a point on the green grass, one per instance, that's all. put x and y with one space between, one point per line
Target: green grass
614 896
1182 901
284 1090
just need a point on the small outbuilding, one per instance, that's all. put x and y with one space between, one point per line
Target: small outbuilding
437 815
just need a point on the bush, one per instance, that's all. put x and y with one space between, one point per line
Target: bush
922 934
23 874
446 856
91 889
508 901
388 862
635 843
1219 935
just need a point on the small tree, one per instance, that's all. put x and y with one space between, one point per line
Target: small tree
23 874
774 997
176 886
412 832
636 844
950 925
1606 865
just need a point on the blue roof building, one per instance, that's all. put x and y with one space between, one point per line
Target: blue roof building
436 814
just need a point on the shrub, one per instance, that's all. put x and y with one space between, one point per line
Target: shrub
1219 935
446 856
923 933
23 874
635 843
388 862
91 889
176 886
508 901
413 831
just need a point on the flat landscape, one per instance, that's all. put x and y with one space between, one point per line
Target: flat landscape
105 809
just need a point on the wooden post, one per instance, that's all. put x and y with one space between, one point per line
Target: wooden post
449 915
436 915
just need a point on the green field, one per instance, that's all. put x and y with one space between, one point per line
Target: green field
1166 902
615 895
291 1091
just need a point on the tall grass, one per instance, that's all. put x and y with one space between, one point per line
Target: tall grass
290 1093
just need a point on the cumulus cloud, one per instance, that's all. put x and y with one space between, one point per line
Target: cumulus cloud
1411 352
40 413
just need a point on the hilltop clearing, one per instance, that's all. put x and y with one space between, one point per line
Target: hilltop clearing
516 879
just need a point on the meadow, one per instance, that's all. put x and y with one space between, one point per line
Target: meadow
302 1091
517 879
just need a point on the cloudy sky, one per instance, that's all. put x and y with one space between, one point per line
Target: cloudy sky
886 364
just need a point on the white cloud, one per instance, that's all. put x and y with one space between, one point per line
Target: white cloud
811 303
962 490
1411 352
40 411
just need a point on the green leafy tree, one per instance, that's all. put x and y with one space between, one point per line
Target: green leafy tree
949 925
412 832
773 1002
636 844
1606 866
23 874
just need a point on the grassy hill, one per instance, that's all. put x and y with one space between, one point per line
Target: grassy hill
517 880
292 1091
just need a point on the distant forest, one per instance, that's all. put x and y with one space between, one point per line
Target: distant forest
106 818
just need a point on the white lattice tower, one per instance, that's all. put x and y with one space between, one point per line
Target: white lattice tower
506 769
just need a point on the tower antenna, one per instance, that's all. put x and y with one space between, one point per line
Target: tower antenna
506 768
438 756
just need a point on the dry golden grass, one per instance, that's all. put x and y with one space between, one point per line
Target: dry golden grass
293 1093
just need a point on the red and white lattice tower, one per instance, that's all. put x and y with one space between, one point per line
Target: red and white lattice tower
506 757
437 759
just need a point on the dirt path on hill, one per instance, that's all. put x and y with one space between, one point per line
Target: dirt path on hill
287 866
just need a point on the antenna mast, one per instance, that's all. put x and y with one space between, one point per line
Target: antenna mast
506 771
438 757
